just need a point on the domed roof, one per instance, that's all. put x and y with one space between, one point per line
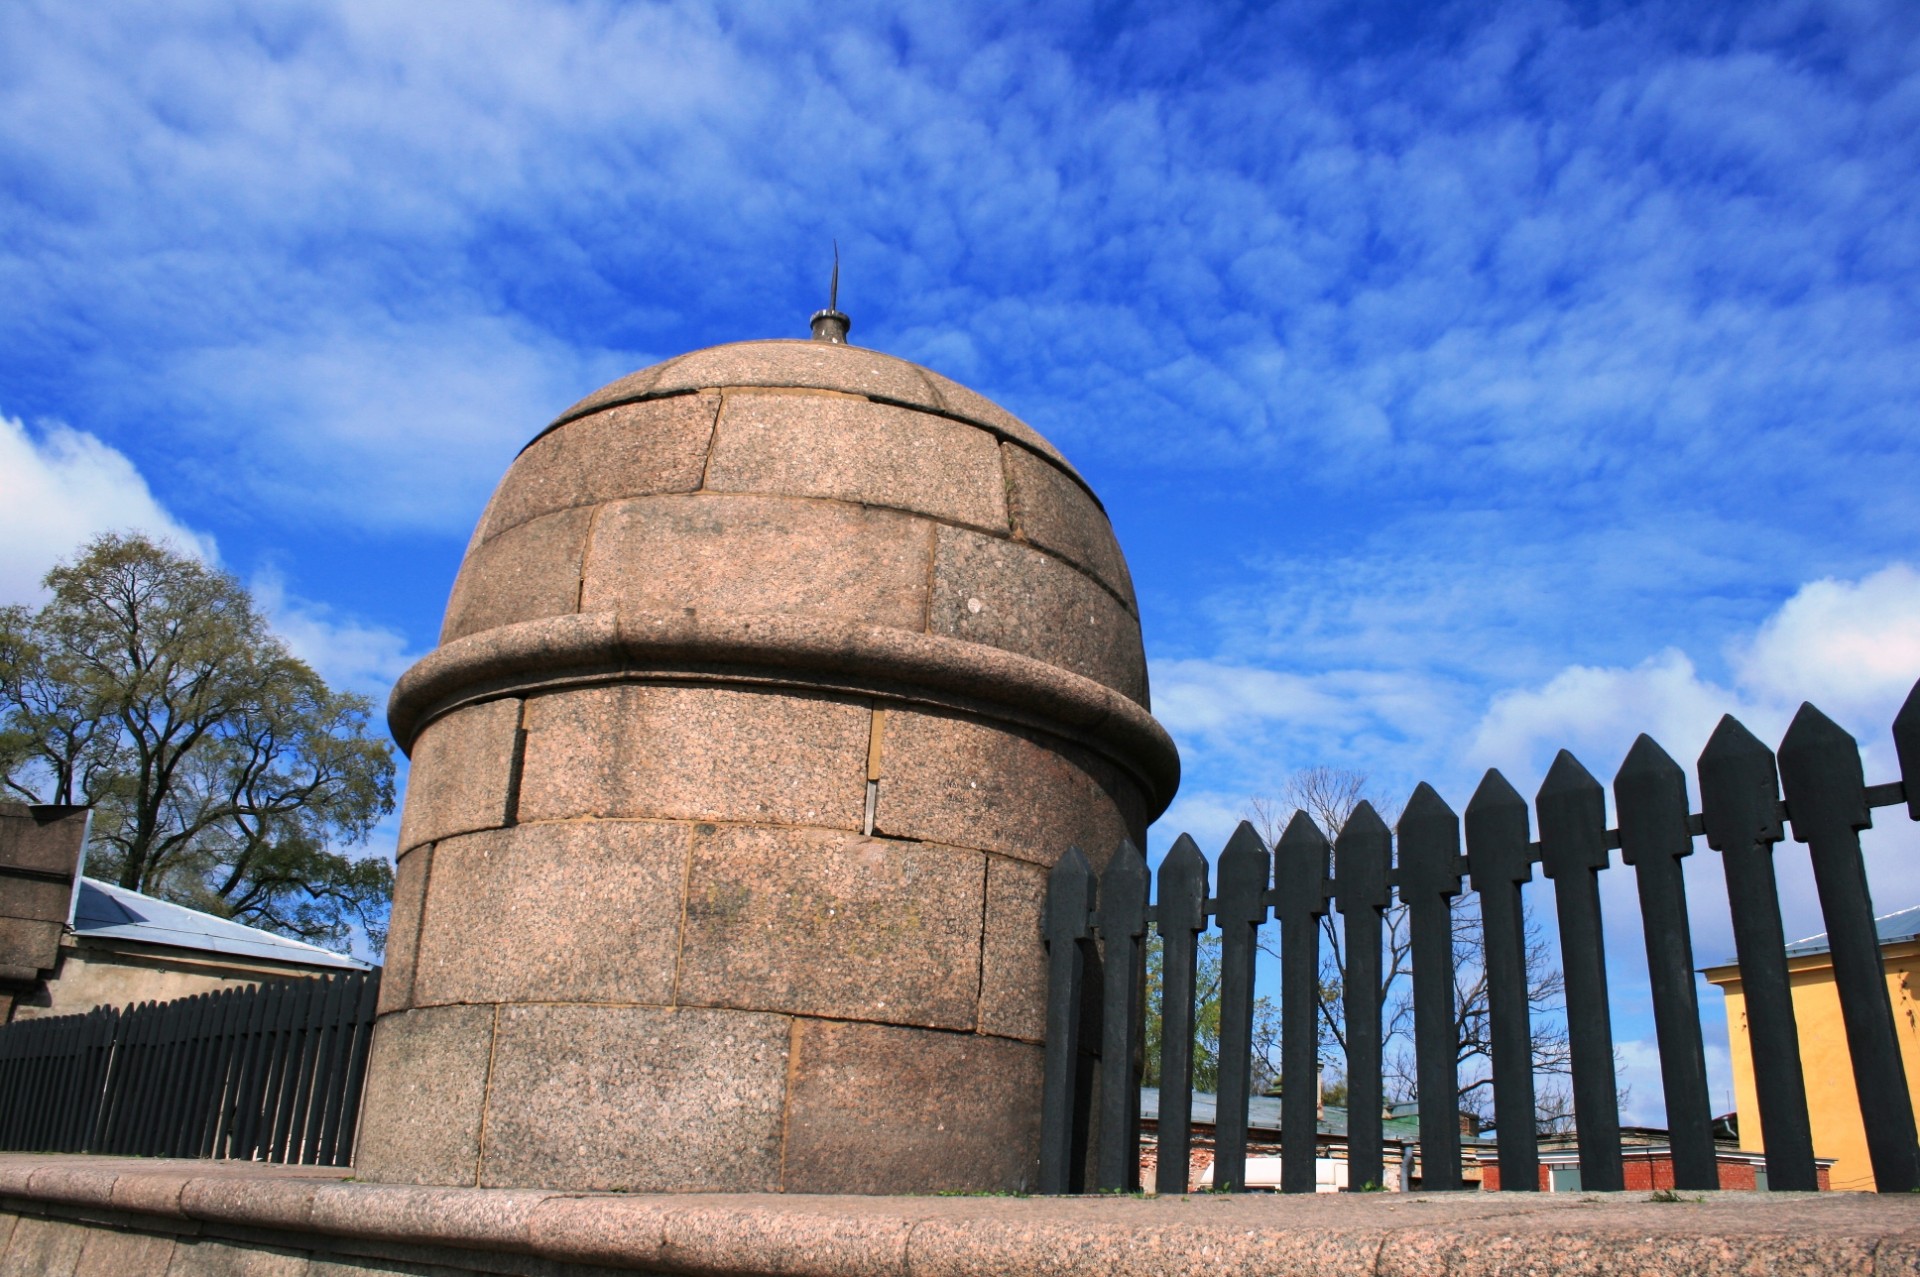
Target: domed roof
801 364
804 503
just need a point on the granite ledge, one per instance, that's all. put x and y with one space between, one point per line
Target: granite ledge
1462 1234
625 640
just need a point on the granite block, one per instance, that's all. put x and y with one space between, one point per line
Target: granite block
832 924
850 449
529 571
29 945
696 753
1013 964
483 1220
878 1109
953 779
41 841
632 450
35 898
117 1254
1009 595
974 406
426 1089
807 1237
207 1257
805 364
636 1098
1057 514
610 1230
743 552
462 773
410 877
573 912
43 1247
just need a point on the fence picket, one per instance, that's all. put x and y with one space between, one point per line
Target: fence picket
1244 871
1363 861
1429 880
1827 796
1650 795
1122 926
340 1143
1070 893
1500 862
1573 850
1180 916
1739 798
1301 887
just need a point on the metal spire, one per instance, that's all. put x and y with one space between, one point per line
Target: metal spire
830 325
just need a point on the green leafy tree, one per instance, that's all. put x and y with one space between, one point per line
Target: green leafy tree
1206 1021
224 774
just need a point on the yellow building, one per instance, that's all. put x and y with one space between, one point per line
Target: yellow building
1832 1104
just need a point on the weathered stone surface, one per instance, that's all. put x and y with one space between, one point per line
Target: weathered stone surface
527 572
119 1254
962 402
954 779
748 553
633 450
1013 966
27 946
696 753
43 1248
207 1257
848 449
806 364
583 911
833 924
1057 514
462 773
403 928
877 1109
421 1124
636 1098
1010 595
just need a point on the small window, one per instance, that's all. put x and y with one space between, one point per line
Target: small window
1563 1179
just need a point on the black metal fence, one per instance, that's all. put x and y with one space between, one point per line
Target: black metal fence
268 1072
1096 935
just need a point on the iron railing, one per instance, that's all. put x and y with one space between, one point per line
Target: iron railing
268 1072
1096 934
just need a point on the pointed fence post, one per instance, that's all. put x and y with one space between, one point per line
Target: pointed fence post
1179 917
1650 793
1245 867
1573 850
1906 747
1739 798
1500 860
1065 928
1300 891
1122 924
1363 859
1429 880
1827 796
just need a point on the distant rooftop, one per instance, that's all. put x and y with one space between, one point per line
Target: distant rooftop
104 911
1892 927
1263 1114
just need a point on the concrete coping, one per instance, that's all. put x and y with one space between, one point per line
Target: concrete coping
810 651
1463 1234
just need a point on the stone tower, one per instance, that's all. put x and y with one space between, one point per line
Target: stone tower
775 678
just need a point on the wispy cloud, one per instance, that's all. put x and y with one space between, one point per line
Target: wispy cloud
59 488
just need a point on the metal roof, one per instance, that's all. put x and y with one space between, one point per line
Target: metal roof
104 911
1891 927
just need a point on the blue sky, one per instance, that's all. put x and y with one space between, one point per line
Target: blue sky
1463 381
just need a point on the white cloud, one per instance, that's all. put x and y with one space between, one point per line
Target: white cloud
349 654
1851 647
60 487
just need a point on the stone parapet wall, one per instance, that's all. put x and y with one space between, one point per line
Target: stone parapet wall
74 1217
